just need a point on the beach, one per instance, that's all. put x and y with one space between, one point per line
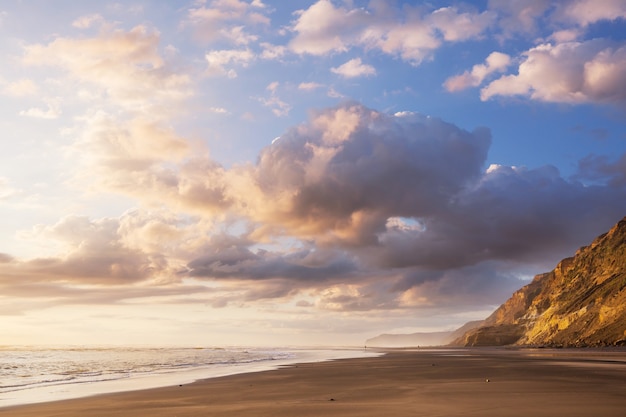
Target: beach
419 382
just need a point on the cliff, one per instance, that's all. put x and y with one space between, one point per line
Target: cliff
582 302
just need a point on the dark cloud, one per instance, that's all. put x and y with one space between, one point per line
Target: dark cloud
403 204
602 169
96 253
5 258
380 212
511 214
231 257
351 168
488 283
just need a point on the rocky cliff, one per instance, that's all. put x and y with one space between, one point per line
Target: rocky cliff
582 302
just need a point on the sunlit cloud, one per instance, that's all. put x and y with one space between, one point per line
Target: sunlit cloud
126 66
309 86
21 88
573 72
52 111
219 60
412 36
495 62
586 12
226 19
85 22
354 68
6 190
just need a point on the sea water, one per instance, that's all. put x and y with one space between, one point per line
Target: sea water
30 375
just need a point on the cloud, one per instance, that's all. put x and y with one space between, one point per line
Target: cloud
85 22
354 68
94 254
52 112
271 51
408 32
218 110
278 106
5 258
219 60
124 65
354 210
309 86
232 258
495 62
345 180
525 16
226 19
586 12
324 28
127 146
456 25
349 177
21 88
335 178
519 16
511 214
6 190
273 86
574 72
602 169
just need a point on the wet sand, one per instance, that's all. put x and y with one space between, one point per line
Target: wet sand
475 382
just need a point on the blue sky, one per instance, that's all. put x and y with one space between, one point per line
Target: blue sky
305 172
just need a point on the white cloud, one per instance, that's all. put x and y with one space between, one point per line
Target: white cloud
519 16
309 86
238 36
459 26
124 65
85 22
271 51
278 106
218 60
218 110
332 93
226 19
586 12
323 28
525 16
273 86
573 72
354 68
495 62
6 190
566 35
21 88
52 111
407 32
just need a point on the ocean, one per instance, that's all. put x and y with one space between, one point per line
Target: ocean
30 375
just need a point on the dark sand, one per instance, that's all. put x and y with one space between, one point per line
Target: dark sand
477 382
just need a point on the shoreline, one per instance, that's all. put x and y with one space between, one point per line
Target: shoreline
61 390
425 382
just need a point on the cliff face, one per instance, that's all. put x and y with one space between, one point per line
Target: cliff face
582 302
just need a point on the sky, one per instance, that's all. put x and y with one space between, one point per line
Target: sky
258 172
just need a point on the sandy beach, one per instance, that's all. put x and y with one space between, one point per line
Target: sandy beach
476 382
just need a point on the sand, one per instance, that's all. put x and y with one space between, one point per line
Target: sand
476 382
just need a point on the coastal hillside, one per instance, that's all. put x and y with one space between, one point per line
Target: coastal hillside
582 302
421 339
